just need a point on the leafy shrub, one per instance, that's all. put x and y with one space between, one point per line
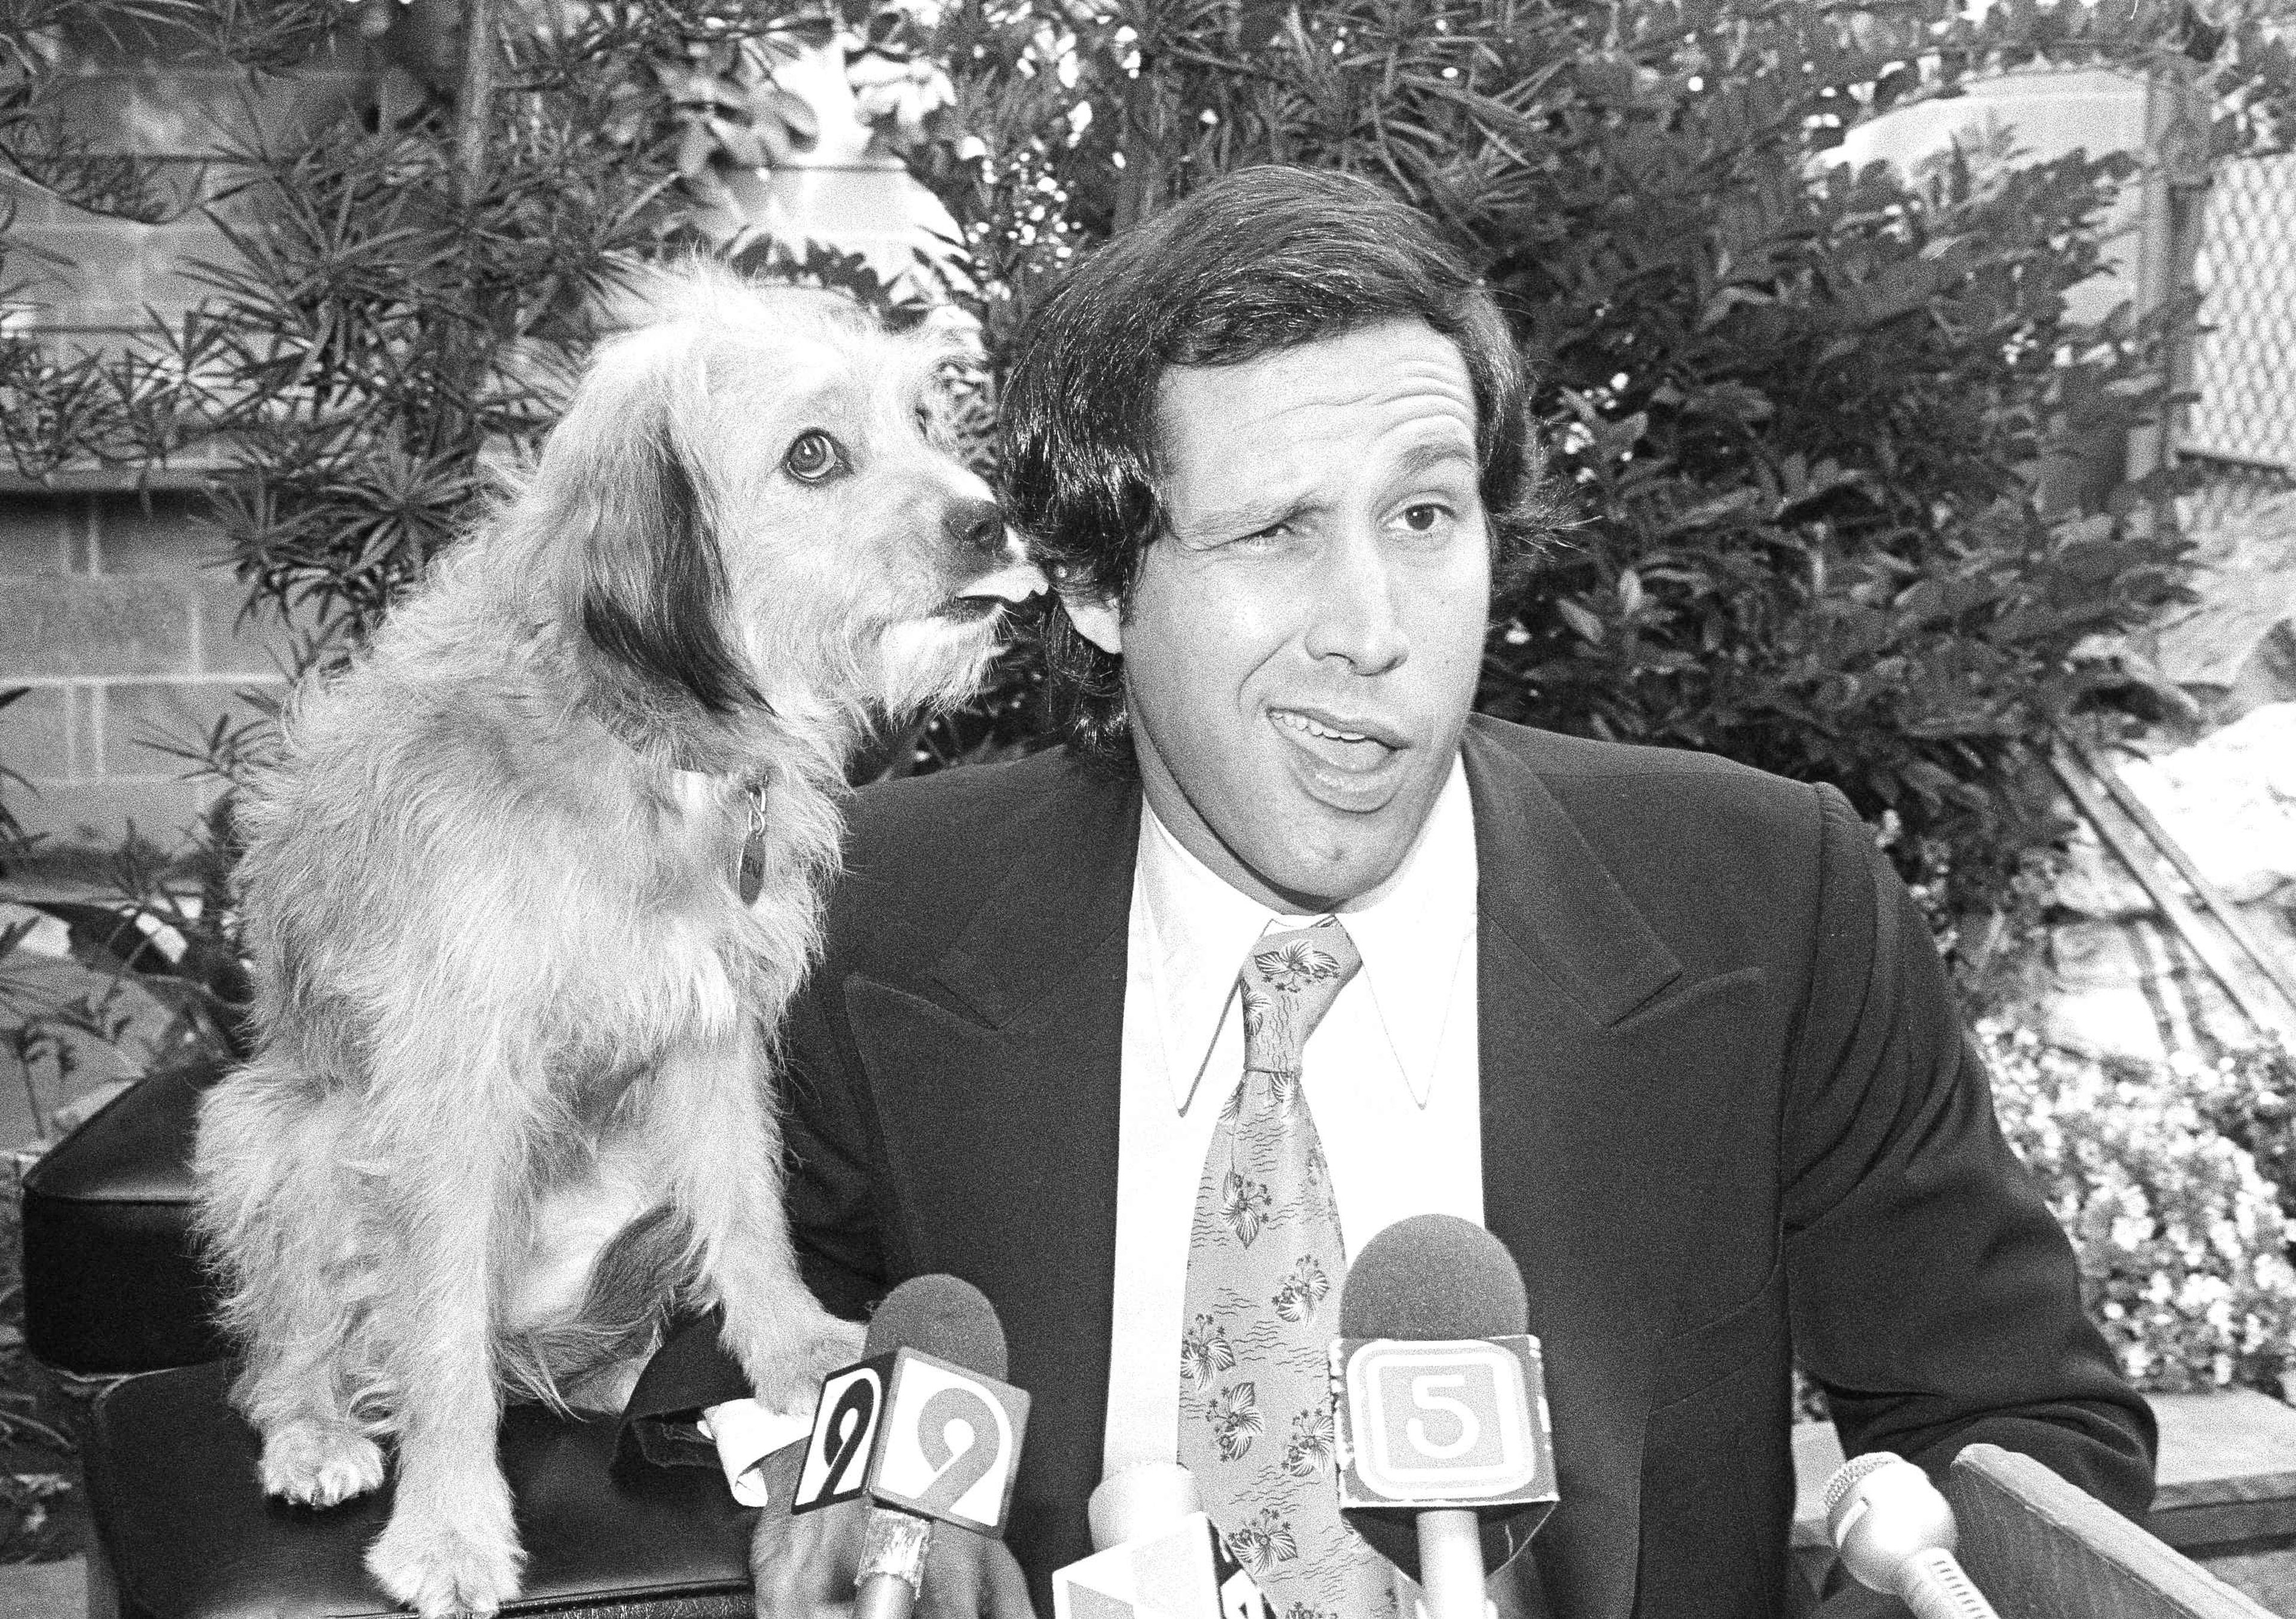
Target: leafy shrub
1807 414
404 306
57 407
2182 1242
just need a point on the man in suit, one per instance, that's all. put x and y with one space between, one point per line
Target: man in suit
1670 1028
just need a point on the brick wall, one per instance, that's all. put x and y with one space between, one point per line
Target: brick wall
87 280
111 610
124 638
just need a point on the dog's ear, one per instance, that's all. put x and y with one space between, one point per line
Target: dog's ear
653 587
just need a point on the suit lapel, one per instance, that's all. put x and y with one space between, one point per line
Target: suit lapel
1582 1140
1000 1117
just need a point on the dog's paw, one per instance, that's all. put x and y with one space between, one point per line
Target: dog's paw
320 1463
793 1381
446 1570
837 1346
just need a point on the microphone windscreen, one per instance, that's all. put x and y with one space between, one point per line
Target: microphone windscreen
1433 1277
1851 1473
941 1316
1140 1500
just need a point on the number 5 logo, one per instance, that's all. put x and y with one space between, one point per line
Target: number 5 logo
1424 1394
1444 1421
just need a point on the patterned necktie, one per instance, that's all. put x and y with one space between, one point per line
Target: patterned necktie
1264 1257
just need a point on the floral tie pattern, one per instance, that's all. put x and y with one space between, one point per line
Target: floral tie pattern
1265 1260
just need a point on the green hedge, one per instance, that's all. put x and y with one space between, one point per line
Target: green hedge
1805 411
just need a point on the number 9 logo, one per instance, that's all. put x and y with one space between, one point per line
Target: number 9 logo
844 1431
949 1447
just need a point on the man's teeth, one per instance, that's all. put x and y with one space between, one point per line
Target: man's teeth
1300 722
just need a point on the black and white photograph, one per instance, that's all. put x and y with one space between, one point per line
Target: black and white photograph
1148 808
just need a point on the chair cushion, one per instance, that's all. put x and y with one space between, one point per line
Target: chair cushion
112 1280
187 1535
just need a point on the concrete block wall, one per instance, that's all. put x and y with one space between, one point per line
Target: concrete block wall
90 280
86 281
112 611
110 614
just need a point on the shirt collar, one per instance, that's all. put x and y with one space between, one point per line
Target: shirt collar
1410 931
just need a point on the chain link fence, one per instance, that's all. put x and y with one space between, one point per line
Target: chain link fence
2241 432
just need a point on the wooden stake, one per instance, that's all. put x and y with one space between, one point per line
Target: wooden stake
2073 772
2213 897
474 89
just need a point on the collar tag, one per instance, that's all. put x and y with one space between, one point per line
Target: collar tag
749 870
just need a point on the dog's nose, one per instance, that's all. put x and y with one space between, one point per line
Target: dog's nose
974 525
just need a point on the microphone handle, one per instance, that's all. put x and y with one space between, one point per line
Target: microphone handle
1934 1585
1451 1563
893 1569
884 1596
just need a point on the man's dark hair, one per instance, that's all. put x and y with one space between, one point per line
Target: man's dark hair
1259 261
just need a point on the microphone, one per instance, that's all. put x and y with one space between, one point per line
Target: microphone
1156 1555
1445 1451
1895 1535
925 1426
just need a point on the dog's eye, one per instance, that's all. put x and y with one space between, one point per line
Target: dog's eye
812 457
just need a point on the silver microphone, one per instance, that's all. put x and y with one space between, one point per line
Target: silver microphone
1895 1534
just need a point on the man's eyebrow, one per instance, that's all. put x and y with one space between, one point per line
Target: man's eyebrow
1430 453
1247 517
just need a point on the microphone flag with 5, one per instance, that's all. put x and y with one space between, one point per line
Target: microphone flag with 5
924 1428
1445 1452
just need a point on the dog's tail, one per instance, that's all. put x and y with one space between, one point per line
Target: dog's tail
638 1281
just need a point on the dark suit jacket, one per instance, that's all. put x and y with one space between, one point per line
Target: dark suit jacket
1726 1110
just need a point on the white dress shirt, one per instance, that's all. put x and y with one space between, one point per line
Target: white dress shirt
1390 1073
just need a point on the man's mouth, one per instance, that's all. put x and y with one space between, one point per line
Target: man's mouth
1349 746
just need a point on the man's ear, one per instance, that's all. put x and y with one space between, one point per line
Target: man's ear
1096 619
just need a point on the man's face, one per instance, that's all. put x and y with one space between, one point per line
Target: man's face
1302 645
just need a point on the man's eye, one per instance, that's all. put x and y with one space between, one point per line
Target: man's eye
813 456
1425 517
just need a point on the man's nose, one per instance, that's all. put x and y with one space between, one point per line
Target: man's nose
1353 615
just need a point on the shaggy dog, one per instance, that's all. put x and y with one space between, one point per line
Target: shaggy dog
509 1096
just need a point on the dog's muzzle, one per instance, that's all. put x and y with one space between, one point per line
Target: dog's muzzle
975 529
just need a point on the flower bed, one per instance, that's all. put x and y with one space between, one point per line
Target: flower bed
2182 1238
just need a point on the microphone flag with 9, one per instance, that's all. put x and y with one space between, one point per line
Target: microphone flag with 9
912 1431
